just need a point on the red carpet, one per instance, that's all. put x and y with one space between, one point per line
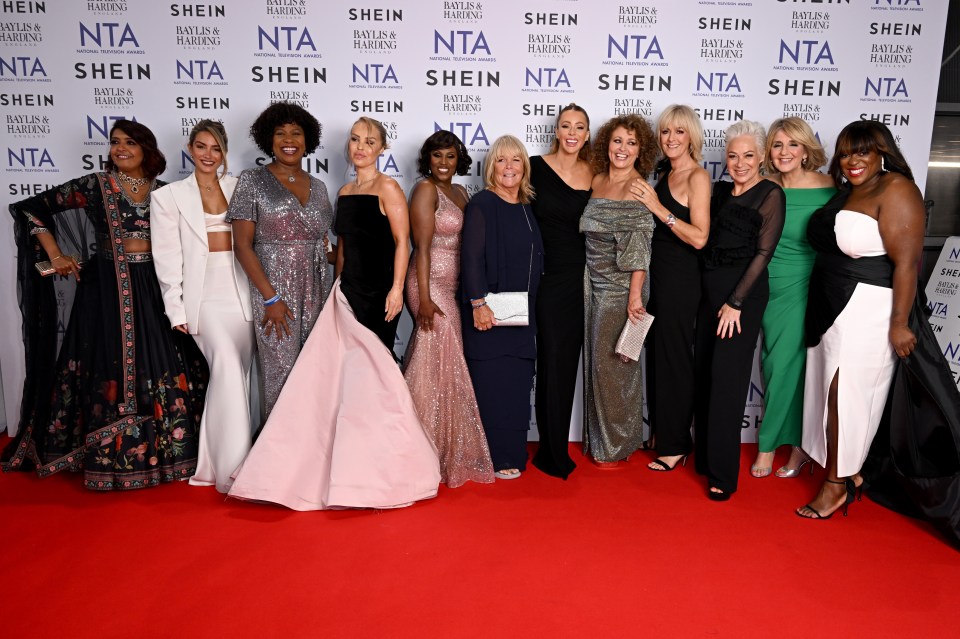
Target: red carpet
609 553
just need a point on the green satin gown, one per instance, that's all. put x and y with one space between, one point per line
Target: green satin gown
784 355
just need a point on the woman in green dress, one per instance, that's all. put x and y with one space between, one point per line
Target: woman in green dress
793 158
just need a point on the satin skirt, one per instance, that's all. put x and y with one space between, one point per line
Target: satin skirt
226 340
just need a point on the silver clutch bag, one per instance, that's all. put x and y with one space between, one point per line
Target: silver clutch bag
509 309
631 338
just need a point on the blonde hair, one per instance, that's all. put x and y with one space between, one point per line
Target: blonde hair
585 149
680 115
504 146
219 133
797 129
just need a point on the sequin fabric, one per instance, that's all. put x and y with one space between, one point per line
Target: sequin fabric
434 366
618 235
289 243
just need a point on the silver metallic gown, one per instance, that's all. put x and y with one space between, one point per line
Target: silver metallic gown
618 235
289 243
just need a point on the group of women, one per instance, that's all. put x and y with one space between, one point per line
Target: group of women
578 234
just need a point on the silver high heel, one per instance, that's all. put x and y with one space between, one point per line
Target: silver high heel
789 473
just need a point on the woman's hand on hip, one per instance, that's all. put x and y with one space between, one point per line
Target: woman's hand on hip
275 318
729 319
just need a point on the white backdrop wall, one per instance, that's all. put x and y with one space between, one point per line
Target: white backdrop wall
68 68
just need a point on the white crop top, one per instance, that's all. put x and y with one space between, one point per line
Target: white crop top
216 223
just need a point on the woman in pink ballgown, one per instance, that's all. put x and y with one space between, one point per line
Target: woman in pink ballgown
344 432
434 366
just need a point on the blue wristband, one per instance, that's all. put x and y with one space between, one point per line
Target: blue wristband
273 300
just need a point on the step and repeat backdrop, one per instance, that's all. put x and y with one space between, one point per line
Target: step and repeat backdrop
69 68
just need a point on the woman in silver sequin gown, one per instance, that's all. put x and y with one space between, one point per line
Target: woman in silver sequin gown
280 217
618 231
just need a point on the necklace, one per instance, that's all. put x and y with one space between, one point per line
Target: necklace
292 177
371 179
132 182
206 187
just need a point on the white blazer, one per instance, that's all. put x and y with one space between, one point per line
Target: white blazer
179 240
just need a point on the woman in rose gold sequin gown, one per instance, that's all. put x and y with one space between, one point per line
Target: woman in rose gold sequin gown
434 366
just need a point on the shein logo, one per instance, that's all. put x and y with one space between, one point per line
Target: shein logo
285 38
461 43
550 77
469 132
199 70
806 52
886 88
32 158
21 67
102 124
375 74
115 35
634 47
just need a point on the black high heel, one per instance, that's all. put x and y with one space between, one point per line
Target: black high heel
851 489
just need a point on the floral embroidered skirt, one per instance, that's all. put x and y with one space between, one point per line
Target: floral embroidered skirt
126 422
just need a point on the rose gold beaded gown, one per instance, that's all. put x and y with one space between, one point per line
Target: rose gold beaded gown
434 366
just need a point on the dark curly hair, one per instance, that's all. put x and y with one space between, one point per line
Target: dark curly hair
154 163
278 114
443 140
636 125
864 136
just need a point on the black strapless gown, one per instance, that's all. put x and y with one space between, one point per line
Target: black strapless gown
367 274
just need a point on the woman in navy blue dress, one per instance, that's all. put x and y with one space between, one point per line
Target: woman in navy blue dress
501 252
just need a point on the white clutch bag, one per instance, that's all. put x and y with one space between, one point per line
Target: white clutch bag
510 309
631 338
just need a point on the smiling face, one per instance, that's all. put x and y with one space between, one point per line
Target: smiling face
443 164
623 149
743 160
289 144
206 153
508 172
126 153
365 145
674 141
572 132
860 167
787 154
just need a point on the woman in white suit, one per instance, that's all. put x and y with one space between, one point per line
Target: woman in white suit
206 294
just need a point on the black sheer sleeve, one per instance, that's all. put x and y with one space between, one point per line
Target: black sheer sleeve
473 251
772 208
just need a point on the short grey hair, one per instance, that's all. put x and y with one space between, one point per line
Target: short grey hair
747 127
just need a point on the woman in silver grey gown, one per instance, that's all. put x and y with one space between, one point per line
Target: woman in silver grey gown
618 230
281 216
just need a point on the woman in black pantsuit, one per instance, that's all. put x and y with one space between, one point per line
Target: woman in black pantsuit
561 180
746 221
681 208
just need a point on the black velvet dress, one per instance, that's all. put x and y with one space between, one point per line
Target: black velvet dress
367 274
558 208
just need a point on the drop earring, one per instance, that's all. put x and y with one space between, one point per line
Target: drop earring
883 164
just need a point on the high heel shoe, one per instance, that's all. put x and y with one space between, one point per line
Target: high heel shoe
851 489
789 473
664 466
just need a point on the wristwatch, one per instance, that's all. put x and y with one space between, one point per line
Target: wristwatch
671 220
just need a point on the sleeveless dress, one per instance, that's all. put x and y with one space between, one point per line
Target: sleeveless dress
784 355
618 243
434 366
674 299
558 208
344 432
856 343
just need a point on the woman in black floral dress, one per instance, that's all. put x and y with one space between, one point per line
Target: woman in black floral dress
122 399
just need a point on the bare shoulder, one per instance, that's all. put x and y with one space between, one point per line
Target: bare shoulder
699 178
